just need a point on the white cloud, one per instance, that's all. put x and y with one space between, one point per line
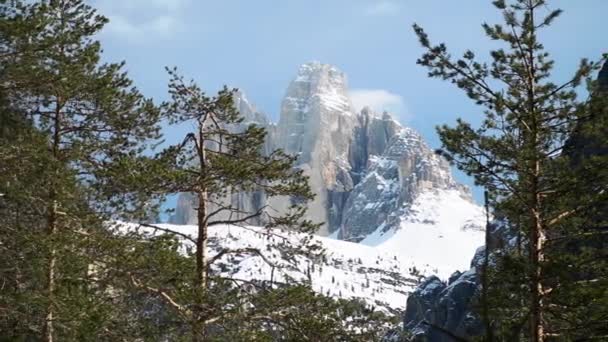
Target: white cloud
142 19
381 7
380 100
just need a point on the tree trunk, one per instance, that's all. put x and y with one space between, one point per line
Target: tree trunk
198 328
50 311
49 328
536 228
201 242
484 275
202 269
537 256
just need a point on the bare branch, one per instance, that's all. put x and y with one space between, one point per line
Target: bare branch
164 295
241 220
170 231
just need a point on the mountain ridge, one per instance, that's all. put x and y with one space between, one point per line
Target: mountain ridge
342 151
379 187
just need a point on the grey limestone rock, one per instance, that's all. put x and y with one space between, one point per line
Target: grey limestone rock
404 168
318 125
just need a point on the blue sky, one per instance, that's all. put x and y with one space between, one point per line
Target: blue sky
257 46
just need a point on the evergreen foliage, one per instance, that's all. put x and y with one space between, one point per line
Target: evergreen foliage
219 158
553 285
67 116
77 144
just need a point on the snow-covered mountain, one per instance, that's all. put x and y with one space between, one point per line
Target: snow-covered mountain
381 270
379 188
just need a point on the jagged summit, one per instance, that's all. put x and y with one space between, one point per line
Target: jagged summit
248 110
318 125
378 185
365 168
314 105
319 84
313 72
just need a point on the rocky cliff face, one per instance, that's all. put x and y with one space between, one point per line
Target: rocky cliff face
400 166
365 168
318 124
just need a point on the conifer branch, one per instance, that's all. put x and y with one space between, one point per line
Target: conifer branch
241 220
170 231
186 313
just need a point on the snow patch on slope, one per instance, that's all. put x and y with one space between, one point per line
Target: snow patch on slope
441 230
438 234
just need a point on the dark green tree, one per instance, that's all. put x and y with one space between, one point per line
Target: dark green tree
516 154
578 249
78 120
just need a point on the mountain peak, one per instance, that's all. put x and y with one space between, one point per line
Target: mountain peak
320 78
316 68
366 168
248 110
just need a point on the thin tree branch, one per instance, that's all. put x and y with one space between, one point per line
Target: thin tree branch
170 231
241 220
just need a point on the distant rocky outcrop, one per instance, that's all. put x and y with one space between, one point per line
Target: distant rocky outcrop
318 124
439 311
393 178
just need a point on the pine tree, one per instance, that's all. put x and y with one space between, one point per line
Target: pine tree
516 152
81 116
578 251
72 142
219 157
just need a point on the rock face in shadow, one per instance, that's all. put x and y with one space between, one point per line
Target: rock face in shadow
584 144
440 311
363 166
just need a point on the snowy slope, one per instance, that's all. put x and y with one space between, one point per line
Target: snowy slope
440 231
349 270
390 204
437 236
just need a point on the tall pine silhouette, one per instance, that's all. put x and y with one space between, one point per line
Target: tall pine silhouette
516 154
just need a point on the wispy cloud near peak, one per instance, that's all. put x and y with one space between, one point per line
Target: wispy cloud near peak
380 100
